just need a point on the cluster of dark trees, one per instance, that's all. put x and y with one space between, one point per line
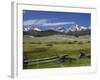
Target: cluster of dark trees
52 32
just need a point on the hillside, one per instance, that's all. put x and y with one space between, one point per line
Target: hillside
52 32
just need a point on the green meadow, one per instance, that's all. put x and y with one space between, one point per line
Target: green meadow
48 46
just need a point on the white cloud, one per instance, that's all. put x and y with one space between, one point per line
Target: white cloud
57 23
45 22
35 21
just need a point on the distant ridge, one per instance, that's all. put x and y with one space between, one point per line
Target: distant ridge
74 30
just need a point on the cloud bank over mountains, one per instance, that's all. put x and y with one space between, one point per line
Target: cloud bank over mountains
45 22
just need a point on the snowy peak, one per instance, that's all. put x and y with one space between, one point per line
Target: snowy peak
83 28
61 29
31 28
76 27
36 29
72 28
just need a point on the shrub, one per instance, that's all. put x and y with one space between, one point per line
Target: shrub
80 42
49 44
39 49
70 42
74 41
35 43
88 41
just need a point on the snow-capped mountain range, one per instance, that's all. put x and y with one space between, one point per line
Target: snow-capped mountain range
72 28
31 28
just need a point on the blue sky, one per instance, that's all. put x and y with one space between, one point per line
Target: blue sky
51 19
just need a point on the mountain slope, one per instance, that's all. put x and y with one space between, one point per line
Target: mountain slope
41 33
74 30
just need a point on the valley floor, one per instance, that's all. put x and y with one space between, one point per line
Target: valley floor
43 47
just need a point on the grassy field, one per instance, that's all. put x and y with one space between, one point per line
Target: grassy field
42 47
